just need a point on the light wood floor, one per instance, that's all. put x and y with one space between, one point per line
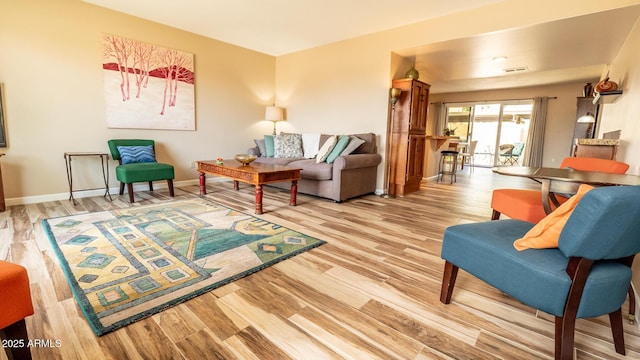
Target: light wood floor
370 293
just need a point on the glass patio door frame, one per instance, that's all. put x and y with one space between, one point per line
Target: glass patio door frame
492 150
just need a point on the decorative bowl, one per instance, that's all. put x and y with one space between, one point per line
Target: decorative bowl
245 159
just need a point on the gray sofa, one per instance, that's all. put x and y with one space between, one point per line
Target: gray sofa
347 177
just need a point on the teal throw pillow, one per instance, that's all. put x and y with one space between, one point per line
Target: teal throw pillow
269 145
342 143
136 154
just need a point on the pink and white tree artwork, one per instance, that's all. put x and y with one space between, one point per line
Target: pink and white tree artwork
147 86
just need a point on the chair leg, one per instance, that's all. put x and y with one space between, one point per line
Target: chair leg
615 318
565 332
455 170
121 188
170 185
632 306
130 191
495 215
578 270
16 333
150 185
448 282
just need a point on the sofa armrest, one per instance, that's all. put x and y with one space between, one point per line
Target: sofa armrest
356 161
354 175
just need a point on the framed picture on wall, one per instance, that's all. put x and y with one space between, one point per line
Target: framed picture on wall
147 86
3 138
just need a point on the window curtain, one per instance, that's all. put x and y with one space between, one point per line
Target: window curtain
440 117
535 137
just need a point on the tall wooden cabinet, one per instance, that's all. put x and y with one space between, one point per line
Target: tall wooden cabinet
408 136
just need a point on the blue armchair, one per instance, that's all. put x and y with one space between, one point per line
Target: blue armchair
588 275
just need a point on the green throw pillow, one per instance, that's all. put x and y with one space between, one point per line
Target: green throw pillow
269 145
342 143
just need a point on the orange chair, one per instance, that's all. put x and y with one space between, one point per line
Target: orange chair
527 204
15 305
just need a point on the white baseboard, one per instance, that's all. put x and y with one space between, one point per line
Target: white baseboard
77 194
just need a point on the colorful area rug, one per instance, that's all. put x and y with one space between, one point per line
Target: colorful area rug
127 264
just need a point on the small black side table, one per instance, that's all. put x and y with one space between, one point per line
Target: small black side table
104 161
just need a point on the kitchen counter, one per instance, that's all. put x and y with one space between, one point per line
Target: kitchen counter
596 148
604 142
441 139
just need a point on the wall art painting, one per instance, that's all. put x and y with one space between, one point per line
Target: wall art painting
147 86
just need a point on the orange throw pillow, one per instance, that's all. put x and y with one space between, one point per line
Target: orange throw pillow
546 233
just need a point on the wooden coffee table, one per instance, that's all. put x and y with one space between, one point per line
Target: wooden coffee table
256 174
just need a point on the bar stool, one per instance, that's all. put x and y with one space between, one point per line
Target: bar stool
448 165
16 304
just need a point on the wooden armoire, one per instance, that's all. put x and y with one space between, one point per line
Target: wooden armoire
408 128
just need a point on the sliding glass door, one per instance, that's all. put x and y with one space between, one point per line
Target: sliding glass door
494 125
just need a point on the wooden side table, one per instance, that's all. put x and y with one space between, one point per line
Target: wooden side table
104 161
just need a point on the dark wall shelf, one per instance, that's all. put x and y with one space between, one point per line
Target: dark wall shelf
607 97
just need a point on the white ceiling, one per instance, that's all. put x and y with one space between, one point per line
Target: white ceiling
278 27
569 50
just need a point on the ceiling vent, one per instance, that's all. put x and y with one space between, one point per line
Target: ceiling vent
516 69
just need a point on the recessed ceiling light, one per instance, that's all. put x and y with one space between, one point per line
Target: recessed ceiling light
500 59
516 69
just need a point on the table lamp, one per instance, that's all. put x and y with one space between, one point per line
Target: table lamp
275 114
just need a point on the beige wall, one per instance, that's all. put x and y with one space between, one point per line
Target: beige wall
343 87
624 114
52 84
53 93
51 81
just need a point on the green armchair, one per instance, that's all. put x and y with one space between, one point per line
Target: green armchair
138 164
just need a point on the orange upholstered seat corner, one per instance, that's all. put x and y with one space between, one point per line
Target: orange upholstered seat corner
595 164
521 204
15 301
527 204
15 305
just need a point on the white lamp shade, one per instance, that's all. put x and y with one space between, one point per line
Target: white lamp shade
273 113
588 118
